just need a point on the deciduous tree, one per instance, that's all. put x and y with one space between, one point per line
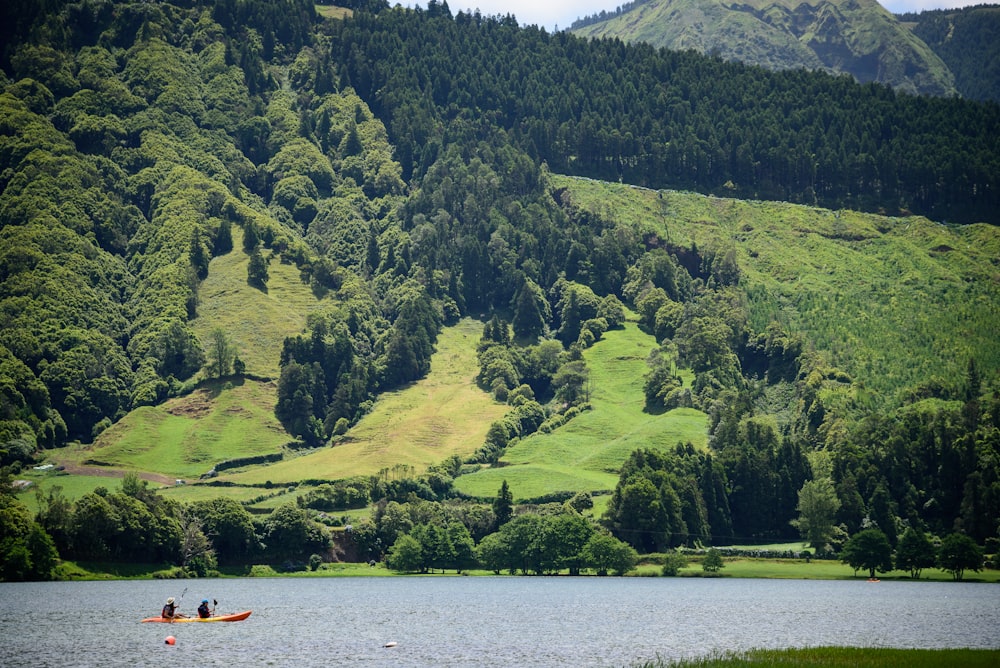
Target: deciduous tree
959 553
868 549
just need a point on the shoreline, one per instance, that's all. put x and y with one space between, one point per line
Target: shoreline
739 568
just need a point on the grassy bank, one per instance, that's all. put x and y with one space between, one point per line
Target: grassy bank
787 569
835 657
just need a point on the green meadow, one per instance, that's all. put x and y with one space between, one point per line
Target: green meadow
256 321
187 436
69 486
585 454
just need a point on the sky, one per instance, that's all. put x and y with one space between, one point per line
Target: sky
561 13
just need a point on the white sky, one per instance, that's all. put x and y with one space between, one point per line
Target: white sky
561 13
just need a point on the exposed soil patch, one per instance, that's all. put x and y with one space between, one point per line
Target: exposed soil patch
195 405
74 469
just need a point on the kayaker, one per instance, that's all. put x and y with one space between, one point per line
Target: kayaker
170 609
203 610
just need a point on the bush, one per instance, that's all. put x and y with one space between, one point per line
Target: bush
673 562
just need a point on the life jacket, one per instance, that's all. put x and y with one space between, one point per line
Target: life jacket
203 611
168 610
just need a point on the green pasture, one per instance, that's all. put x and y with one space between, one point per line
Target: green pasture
800 569
257 322
587 452
195 492
839 657
70 486
186 436
441 415
894 301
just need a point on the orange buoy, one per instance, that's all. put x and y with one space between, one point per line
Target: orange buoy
170 640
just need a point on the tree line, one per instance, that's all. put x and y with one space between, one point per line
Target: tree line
658 118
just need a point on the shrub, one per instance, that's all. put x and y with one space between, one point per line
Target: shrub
673 562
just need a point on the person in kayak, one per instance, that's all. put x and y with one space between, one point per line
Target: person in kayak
203 610
170 609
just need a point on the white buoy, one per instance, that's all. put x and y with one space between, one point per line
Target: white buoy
392 643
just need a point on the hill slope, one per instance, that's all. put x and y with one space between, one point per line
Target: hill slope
968 41
422 424
858 37
896 302
586 453
257 321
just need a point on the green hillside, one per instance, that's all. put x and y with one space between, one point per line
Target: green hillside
895 301
859 38
436 417
967 39
187 436
257 321
356 263
586 453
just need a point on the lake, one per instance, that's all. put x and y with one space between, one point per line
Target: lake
481 621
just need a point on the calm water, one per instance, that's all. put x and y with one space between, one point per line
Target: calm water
509 621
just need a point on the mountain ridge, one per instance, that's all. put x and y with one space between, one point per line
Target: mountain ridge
858 37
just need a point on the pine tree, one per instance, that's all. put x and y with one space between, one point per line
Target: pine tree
503 505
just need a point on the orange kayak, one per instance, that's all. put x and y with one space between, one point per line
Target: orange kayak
234 617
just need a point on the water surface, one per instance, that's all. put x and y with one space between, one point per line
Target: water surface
481 621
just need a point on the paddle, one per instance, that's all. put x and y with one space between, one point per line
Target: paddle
177 614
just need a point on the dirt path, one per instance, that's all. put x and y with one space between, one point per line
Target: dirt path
74 469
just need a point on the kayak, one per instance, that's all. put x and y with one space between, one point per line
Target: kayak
234 617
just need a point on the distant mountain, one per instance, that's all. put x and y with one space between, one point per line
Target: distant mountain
968 41
858 37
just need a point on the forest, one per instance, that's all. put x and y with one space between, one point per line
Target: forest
405 171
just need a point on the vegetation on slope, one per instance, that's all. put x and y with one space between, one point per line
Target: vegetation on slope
437 417
966 39
148 147
586 453
628 112
915 300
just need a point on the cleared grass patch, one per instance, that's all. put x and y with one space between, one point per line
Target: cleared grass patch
441 415
586 453
71 487
186 436
256 321
333 12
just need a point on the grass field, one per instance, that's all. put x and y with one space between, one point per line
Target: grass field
895 301
70 486
586 453
799 569
186 436
444 414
